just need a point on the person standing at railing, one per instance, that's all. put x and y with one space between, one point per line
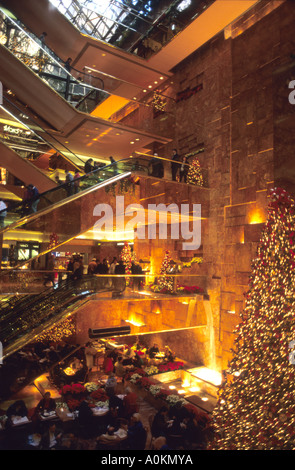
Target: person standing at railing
174 165
157 167
114 165
88 167
3 213
76 181
92 266
184 167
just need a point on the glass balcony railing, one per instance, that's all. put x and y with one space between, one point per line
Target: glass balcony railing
36 208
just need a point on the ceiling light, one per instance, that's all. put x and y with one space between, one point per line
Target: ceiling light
144 91
161 78
131 142
150 86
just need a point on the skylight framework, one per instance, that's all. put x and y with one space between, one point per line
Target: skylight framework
101 18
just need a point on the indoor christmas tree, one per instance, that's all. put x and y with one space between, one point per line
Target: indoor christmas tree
256 407
126 257
194 175
165 281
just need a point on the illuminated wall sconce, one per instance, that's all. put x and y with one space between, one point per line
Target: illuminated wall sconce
231 311
135 323
256 217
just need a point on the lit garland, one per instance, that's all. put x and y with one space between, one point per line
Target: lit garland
256 409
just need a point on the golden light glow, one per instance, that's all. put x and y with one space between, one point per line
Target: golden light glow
135 323
256 217
209 375
109 107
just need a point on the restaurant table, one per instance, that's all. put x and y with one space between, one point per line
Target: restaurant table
48 415
65 415
113 440
99 411
19 420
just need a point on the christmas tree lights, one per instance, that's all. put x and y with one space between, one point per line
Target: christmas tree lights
194 175
256 408
166 282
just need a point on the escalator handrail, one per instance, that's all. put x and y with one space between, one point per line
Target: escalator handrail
66 286
18 25
64 301
93 173
45 131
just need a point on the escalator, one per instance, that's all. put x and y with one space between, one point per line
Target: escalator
55 154
81 89
63 97
68 209
23 169
32 315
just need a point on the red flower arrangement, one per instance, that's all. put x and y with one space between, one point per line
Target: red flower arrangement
191 289
99 395
145 382
135 371
170 366
73 389
73 404
164 393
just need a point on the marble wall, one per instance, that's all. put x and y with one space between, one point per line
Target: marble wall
243 120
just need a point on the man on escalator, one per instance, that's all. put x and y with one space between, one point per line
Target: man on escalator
30 200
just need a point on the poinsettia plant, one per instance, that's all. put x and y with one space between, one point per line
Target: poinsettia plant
99 395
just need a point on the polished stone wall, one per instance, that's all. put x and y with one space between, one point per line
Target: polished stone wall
243 120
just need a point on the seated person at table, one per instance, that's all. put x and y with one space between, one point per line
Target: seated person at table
136 433
128 356
130 403
16 409
153 351
76 364
112 420
116 402
85 420
79 368
159 424
169 356
46 404
51 438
